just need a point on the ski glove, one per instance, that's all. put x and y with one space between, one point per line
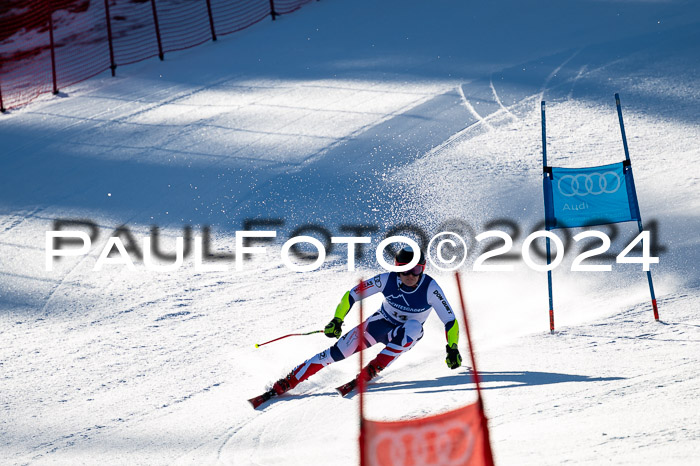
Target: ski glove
454 359
333 329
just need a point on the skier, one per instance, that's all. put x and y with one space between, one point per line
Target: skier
398 324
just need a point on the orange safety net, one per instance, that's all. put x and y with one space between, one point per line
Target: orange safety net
46 45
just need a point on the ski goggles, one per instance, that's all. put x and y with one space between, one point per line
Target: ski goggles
417 270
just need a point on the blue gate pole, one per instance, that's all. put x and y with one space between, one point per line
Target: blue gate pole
639 221
549 254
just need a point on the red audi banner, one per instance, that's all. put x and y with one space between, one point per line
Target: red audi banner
454 438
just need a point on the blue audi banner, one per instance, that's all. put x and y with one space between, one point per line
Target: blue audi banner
576 197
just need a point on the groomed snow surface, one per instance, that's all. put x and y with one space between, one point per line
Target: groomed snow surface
347 113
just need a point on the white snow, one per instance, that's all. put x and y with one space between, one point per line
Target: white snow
373 113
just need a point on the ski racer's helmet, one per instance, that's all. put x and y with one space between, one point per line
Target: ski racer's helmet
405 255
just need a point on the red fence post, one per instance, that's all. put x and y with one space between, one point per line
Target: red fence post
211 21
487 440
155 20
53 53
112 66
272 10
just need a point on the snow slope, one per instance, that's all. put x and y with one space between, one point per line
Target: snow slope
372 113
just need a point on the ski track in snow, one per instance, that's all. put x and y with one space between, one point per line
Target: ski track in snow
498 100
554 73
473 111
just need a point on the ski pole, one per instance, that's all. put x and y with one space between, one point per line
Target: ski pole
258 345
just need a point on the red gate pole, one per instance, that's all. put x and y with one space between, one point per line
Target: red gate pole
211 21
112 65
361 381
487 440
155 21
53 53
273 13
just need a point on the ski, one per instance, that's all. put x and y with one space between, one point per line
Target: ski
259 400
345 389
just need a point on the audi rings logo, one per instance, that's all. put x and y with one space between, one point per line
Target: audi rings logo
594 183
451 443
